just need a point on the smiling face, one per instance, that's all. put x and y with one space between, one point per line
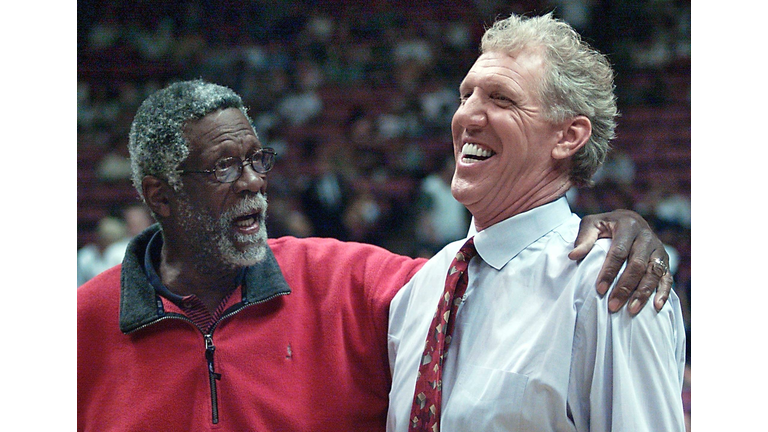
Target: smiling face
222 222
502 143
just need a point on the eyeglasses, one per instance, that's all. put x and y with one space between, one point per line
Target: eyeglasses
228 170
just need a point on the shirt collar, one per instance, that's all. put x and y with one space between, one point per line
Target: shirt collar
154 246
498 244
139 302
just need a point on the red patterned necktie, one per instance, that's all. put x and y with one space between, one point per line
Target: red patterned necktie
425 411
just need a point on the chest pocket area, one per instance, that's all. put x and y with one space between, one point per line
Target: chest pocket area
486 400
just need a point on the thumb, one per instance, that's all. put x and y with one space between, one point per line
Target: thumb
591 228
584 242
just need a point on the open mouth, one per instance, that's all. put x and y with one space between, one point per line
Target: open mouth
474 153
247 223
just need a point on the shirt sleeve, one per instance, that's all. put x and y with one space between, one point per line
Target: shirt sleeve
627 373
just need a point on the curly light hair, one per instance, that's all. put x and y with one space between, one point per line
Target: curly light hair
578 81
156 141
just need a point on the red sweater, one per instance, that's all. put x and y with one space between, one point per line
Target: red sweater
311 360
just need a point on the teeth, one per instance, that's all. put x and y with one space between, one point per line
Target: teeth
245 222
470 149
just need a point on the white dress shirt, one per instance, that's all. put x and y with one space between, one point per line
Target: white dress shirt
534 347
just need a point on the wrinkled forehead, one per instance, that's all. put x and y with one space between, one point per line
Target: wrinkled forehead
227 126
523 69
227 121
526 58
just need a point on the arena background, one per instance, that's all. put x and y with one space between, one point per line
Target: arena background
365 91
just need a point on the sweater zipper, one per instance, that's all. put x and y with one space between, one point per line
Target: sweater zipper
210 348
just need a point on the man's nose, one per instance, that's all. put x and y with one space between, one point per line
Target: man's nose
471 113
251 181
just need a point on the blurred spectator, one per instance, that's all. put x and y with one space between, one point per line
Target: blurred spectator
618 168
363 138
412 48
286 217
153 40
665 203
114 167
304 104
602 197
674 208
348 59
326 197
106 252
656 49
578 13
104 34
137 217
438 101
112 237
441 219
85 110
362 217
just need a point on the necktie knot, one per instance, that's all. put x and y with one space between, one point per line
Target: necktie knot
467 251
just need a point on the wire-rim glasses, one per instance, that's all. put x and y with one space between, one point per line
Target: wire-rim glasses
228 170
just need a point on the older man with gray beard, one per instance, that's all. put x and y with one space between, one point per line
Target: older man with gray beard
217 245
196 329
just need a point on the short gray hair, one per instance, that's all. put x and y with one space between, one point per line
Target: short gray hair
578 81
156 141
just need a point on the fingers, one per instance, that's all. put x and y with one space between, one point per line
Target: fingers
637 255
634 242
627 283
654 274
627 234
617 254
662 293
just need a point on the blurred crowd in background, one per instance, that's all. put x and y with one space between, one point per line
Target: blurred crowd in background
357 97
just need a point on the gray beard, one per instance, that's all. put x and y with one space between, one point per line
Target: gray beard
214 239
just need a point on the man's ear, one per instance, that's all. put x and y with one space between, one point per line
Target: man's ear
156 195
575 134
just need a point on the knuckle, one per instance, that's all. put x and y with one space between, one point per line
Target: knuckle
637 265
611 268
619 250
645 289
659 251
654 270
647 236
633 223
622 291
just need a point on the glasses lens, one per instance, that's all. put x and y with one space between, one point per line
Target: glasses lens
263 160
227 170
